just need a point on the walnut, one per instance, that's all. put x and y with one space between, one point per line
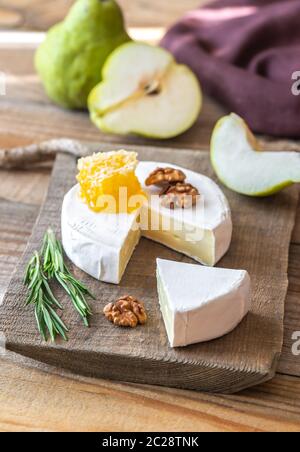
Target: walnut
162 176
179 195
126 311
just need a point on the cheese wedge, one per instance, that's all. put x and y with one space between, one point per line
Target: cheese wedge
198 303
203 233
100 244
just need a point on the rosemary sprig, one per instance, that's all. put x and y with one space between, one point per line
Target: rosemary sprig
45 304
54 267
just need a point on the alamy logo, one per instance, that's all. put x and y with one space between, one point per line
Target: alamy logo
2 84
296 344
150 217
296 84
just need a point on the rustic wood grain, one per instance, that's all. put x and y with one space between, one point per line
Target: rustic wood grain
247 356
40 15
296 233
33 400
17 220
30 187
289 363
10 19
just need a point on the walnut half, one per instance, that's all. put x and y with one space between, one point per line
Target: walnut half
126 311
163 176
179 195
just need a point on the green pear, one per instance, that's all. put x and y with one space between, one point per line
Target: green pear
144 91
70 59
244 167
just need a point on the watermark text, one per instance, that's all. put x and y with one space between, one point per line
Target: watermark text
296 84
296 344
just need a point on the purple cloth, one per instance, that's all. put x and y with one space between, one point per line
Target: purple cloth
244 53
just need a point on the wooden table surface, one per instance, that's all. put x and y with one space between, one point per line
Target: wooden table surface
35 400
41 14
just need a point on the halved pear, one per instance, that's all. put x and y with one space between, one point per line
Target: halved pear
243 167
145 92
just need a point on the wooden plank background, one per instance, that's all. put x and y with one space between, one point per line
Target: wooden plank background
41 14
31 399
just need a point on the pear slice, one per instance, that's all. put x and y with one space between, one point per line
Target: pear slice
145 92
243 167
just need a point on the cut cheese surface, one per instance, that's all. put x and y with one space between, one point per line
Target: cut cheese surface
98 243
204 232
199 303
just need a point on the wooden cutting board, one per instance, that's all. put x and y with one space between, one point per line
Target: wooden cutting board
246 357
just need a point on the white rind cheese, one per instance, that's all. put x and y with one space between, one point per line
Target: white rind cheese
98 243
203 232
201 303
101 244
